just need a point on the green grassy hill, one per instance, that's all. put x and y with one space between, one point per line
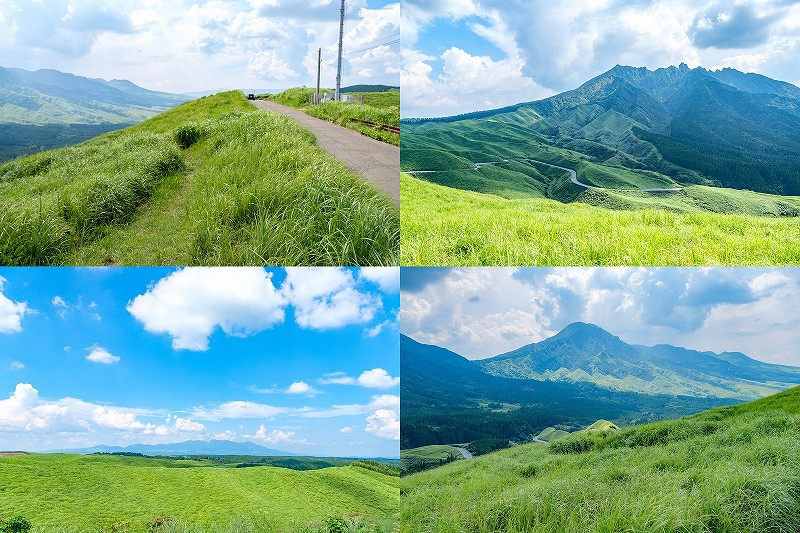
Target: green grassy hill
730 469
425 457
58 492
213 181
445 226
674 141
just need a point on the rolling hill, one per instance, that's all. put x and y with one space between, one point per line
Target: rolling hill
53 97
62 492
730 469
587 353
49 109
448 399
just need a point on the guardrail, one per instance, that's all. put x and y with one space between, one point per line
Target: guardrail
386 127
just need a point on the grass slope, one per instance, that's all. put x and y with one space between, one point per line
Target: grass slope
445 226
425 457
731 469
253 189
91 493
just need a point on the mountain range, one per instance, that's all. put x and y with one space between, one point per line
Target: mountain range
687 126
52 97
49 109
568 381
587 353
190 447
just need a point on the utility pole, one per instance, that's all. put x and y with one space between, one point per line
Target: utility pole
339 65
319 67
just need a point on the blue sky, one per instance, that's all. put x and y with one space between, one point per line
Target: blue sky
304 360
467 55
482 312
187 45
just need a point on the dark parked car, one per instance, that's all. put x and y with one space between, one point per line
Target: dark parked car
251 96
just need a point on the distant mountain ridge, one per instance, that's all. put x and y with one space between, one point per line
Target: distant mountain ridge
52 97
723 128
587 353
190 447
446 398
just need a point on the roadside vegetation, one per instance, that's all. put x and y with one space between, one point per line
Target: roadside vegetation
379 107
731 469
446 226
209 182
103 493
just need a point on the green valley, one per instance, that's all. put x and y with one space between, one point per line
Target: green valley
730 469
94 493
213 181
668 167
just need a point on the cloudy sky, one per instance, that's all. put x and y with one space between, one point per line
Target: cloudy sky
303 360
195 45
467 55
481 312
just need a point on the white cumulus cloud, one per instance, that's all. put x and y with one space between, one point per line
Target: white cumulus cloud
327 298
98 354
384 424
191 303
11 312
377 378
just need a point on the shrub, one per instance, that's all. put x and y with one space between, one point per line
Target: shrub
336 524
15 524
158 523
187 135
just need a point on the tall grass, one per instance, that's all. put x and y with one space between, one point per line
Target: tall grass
209 182
443 226
731 470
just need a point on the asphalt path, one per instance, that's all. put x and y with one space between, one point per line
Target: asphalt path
464 452
375 161
574 177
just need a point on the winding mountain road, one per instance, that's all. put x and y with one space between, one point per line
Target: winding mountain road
464 452
572 174
574 177
375 161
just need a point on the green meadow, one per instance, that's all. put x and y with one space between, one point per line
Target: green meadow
213 181
101 493
732 469
442 225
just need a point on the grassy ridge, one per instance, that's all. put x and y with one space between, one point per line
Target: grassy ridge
254 189
90 493
444 226
425 457
732 469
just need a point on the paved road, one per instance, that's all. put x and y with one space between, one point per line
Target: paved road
375 161
464 452
572 174
540 441
574 177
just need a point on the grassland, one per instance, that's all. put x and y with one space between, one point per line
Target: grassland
731 469
446 226
425 457
381 108
252 189
73 493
